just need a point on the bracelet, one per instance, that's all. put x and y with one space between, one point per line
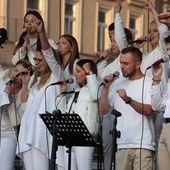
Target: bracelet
156 80
89 73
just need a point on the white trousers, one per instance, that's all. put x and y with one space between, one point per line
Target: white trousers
7 153
34 159
81 158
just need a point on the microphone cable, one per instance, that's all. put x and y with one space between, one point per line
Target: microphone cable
49 156
142 130
54 131
45 101
56 104
100 141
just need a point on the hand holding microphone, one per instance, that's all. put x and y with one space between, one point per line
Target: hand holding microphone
140 40
25 32
31 69
12 79
156 72
110 78
156 64
105 55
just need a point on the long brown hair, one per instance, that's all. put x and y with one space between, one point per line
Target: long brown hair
75 51
44 74
21 39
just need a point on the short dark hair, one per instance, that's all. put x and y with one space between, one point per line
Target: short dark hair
127 32
135 51
92 64
167 39
128 35
111 27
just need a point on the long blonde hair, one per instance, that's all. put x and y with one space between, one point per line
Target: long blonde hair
44 74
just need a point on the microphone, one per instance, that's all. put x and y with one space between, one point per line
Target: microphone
32 69
25 32
12 79
60 82
9 83
99 60
115 112
56 113
155 64
102 58
147 39
115 74
58 51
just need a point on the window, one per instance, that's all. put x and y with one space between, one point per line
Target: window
105 18
163 6
73 15
102 27
69 18
136 24
133 25
32 4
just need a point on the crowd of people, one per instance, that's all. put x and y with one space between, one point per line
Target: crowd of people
124 81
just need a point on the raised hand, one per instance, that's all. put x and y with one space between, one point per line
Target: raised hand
164 17
38 25
117 7
148 5
122 94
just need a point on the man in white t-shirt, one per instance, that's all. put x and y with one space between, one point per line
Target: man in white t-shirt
131 97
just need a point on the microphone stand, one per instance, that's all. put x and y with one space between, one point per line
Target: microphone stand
116 134
56 114
54 148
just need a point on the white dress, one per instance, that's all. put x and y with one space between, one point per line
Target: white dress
33 132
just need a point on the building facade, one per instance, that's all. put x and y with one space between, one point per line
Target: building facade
86 20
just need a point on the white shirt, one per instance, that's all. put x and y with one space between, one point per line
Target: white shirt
161 99
131 124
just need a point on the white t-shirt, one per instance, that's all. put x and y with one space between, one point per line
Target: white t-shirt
132 124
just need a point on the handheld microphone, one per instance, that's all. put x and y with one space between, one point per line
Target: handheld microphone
102 58
58 51
9 83
32 69
162 60
99 60
147 39
60 82
25 32
115 74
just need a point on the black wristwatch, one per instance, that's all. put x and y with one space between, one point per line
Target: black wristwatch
129 100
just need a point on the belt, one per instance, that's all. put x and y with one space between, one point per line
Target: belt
166 120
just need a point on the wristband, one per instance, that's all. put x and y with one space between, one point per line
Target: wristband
89 73
129 100
156 80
